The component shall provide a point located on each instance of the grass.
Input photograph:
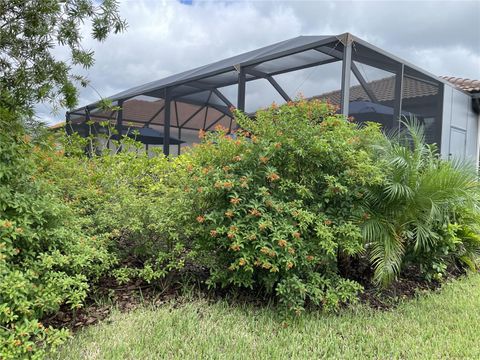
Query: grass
(438, 325)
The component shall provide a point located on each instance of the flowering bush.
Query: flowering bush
(278, 205)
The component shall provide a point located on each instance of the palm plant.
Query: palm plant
(419, 195)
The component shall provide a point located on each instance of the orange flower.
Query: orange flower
(366, 216)
(233, 228)
(237, 158)
(200, 219)
(235, 247)
(282, 243)
(206, 170)
(242, 262)
(328, 222)
(217, 185)
(227, 184)
(201, 134)
(255, 212)
(291, 250)
(310, 258)
(229, 213)
(252, 237)
(254, 139)
(200, 189)
(265, 250)
(273, 177)
(7, 224)
(235, 200)
(213, 233)
(289, 265)
(263, 159)
(220, 128)
(278, 145)
(230, 235)
(296, 235)
(226, 168)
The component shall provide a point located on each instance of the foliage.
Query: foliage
(30, 30)
(425, 213)
(45, 258)
(279, 204)
(134, 201)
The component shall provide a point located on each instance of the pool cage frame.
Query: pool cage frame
(200, 90)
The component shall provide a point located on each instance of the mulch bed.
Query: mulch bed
(130, 296)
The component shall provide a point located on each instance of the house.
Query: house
(370, 85)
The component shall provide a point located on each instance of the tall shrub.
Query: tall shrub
(278, 205)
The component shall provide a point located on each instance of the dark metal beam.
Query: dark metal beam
(397, 107)
(272, 82)
(222, 109)
(166, 124)
(176, 111)
(206, 111)
(205, 87)
(363, 83)
(192, 116)
(180, 139)
(346, 66)
(279, 89)
(223, 98)
(154, 116)
(241, 89)
(216, 121)
(119, 124)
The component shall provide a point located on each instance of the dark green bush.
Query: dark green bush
(426, 212)
(280, 204)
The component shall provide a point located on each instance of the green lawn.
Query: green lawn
(438, 325)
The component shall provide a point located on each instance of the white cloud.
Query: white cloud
(167, 37)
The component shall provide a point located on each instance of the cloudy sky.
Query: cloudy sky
(166, 37)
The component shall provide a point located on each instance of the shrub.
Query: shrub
(425, 213)
(45, 258)
(135, 202)
(278, 205)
